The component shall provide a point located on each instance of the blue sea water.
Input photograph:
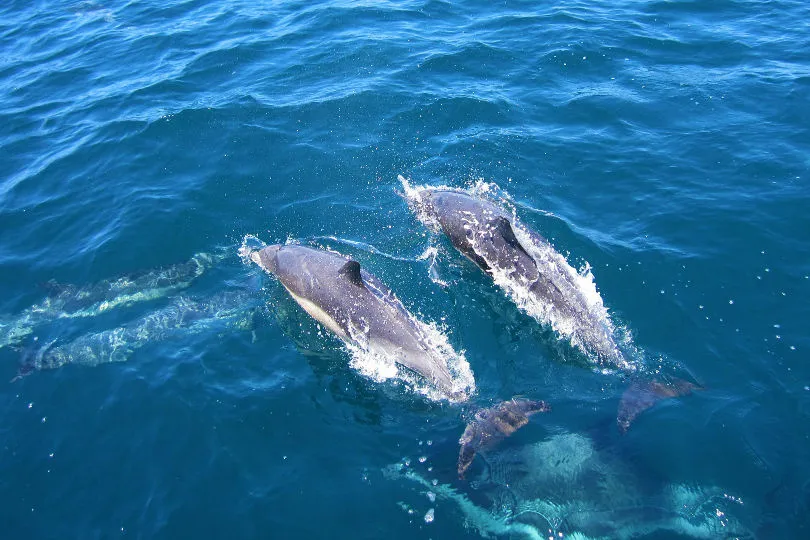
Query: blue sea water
(666, 144)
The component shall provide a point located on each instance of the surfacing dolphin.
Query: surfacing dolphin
(362, 311)
(539, 280)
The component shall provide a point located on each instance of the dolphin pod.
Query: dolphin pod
(365, 314)
(360, 310)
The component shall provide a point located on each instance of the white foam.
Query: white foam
(250, 243)
(380, 365)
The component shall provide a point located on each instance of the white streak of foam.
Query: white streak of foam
(431, 254)
(486, 524)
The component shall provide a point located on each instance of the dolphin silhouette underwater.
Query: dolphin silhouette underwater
(539, 280)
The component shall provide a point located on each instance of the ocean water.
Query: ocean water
(168, 390)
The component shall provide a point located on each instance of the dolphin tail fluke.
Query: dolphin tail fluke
(642, 395)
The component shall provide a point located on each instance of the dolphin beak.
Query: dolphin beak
(266, 258)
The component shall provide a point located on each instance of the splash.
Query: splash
(588, 325)
(413, 197)
(381, 366)
(431, 254)
(250, 243)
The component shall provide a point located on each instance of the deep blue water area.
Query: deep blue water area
(170, 390)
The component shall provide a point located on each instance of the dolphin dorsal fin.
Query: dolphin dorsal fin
(351, 271)
(504, 227)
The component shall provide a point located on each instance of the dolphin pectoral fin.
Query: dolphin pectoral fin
(642, 395)
(504, 227)
(351, 271)
(24, 371)
(469, 442)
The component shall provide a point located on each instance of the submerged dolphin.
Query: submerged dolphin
(541, 281)
(493, 424)
(74, 302)
(231, 310)
(360, 310)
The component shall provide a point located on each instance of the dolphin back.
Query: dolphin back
(360, 309)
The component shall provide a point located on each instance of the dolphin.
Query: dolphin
(360, 310)
(528, 268)
(539, 280)
(66, 301)
(491, 425)
(229, 310)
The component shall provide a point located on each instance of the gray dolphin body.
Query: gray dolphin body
(486, 234)
(525, 264)
(359, 309)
